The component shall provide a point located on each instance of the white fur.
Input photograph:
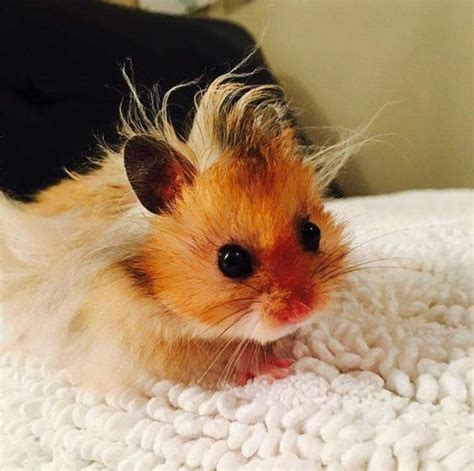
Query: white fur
(49, 263)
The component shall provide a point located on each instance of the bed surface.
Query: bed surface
(383, 381)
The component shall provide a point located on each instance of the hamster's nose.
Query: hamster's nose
(294, 312)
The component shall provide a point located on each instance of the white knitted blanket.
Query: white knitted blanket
(384, 381)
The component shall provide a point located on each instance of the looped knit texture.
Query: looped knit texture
(382, 381)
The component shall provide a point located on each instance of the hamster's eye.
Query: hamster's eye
(234, 261)
(310, 235)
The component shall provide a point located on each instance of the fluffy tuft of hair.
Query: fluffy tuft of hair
(232, 118)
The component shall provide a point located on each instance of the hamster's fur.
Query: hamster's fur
(115, 274)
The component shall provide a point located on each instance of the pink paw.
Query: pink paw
(271, 368)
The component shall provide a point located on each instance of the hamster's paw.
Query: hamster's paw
(268, 366)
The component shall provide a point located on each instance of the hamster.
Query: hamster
(188, 260)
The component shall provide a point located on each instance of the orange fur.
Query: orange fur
(105, 189)
(256, 203)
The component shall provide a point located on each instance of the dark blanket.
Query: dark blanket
(61, 85)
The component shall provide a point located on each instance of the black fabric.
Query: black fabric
(61, 85)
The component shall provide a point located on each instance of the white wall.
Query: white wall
(342, 61)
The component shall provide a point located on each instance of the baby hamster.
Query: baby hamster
(180, 259)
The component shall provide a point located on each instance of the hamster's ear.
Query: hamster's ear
(156, 172)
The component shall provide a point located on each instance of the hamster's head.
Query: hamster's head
(243, 249)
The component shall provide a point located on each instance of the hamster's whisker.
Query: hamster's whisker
(338, 274)
(230, 301)
(233, 324)
(230, 364)
(237, 359)
(234, 359)
(352, 248)
(329, 270)
(385, 234)
(219, 321)
(393, 267)
(329, 259)
(327, 274)
(264, 353)
(221, 351)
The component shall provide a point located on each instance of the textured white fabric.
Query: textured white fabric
(384, 381)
